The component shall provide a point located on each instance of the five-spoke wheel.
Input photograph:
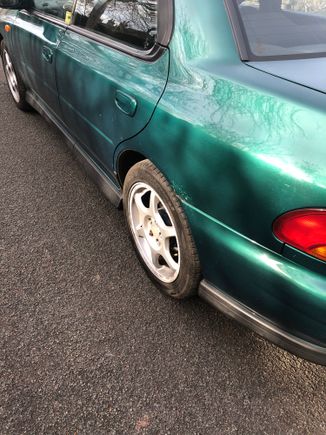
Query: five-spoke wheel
(154, 232)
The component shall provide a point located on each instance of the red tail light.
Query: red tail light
(304, 230)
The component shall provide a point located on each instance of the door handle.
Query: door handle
(47, 54)
(126, 103)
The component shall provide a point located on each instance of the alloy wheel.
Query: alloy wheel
(11, 77)
(154, 232)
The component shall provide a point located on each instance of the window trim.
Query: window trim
(237, 29)
(242, 42)
(165, 23)
(47, 17)
(165, 15)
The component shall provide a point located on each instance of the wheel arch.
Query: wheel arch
(125, 161)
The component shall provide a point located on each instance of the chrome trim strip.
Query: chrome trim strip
(108, 188)
(259, 324)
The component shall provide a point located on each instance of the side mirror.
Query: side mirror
(15, 4)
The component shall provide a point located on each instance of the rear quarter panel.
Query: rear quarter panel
(238, 144)
(240, 147)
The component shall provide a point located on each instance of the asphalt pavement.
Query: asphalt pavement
(89, 346)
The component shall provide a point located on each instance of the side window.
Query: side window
(56, 8)
(133, 22)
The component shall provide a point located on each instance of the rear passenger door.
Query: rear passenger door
(111, 71)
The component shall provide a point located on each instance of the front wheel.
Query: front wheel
(15, 83)
(160, 231)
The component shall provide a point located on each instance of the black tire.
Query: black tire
(186, 283)
(20, 97)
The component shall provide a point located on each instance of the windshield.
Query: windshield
(277, 28)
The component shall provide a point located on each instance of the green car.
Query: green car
(206, 121)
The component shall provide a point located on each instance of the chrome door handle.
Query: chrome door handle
(47, 54)
(126, 103)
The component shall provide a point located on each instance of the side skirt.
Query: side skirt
(262, 326)
(106, 185)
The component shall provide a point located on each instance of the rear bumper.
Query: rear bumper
(261, 325)
(280, 299)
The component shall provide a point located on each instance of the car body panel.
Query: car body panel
(90, 76)
(37, 38)
(239, 133)
(292, 297)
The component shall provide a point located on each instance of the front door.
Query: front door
(39, 32)
(110, 73)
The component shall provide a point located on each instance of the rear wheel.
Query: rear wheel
(15, 83)
(160, 231)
